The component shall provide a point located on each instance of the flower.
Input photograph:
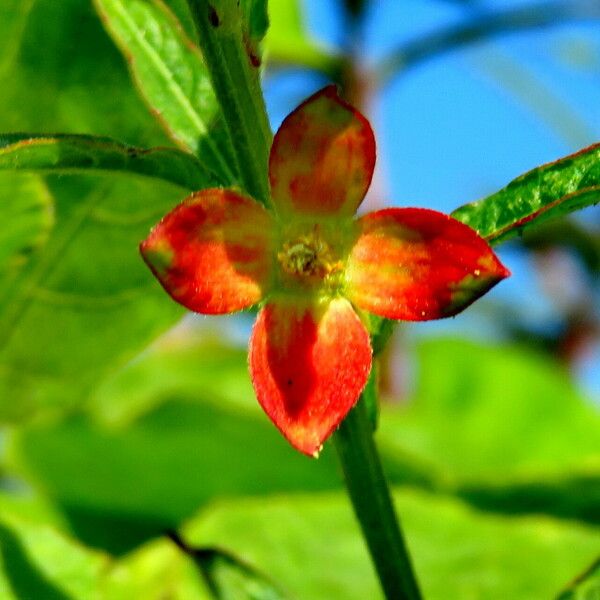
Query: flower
(314, 270)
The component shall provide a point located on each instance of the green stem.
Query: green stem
(235, 78)
(373, 506)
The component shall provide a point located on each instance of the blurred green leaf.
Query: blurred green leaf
(60, 50)
(83, 153)
(586, 586)
(549, 191)
(501, 425)
(181, 364)
(156, 571)
(288, 42)
(228, 577)
(313, 544)
(84, 303)
(39, 562)
(155, 472)
(26, 212)
(171, 76)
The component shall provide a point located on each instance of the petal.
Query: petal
(212, 253)
(322, 158)
(309, 364)
(417, 264)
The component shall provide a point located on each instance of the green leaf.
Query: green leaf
(288, 42)
(228, 577)
(148, 475)
(83, 153)
(586, 586)
(313, 544)
(502, 426)
(256, 21)
(169, 368)
(60, 50)
(84, 303)
(552, 190)
(40, 562)
(27, 218)
(171, 76)
(157, 570)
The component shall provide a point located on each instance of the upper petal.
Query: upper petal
(309, 364)
(322, 157)
(213, 252)
(417, 264)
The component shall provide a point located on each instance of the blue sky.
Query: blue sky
(463, 125)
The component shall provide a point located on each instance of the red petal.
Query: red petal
(309, 364)
(212, 253)
(322, 157)
(417, 264)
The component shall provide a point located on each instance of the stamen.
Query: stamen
(308, 257)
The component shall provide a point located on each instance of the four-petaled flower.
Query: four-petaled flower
(315, 270)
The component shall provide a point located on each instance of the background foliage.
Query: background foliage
(124, 419)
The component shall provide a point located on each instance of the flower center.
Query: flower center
(308, 257)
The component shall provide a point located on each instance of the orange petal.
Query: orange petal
(322, 158)
(309, 364)
(212, 253)
(417, 264)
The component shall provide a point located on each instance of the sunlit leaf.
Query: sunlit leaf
(70, 154)
(586, 586)
(552, 190)
(83, 303)
(40, 562)
(171, 77)
(502, 426)
(313, 544)
(60, 50)
(228, 577)
(206, 439)
(155, 571)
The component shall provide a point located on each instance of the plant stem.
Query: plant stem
(373, 506)
(235, 78)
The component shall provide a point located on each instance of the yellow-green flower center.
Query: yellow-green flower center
(308, 258)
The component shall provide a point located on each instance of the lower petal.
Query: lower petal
(416, 264)
(309, 363)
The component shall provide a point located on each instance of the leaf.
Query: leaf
(586, 586)
(171, 77)
(40, 562)
(149, 475)
(501, 426)
(228, 577)
(169, 369)
(83, 153)
(27, 218)
(80, 82)
(288, 42)
(84, 303)
(256, 20)
(549, 191)
(313, 544)
(157, 570)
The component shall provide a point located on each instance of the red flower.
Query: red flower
(314, 269)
